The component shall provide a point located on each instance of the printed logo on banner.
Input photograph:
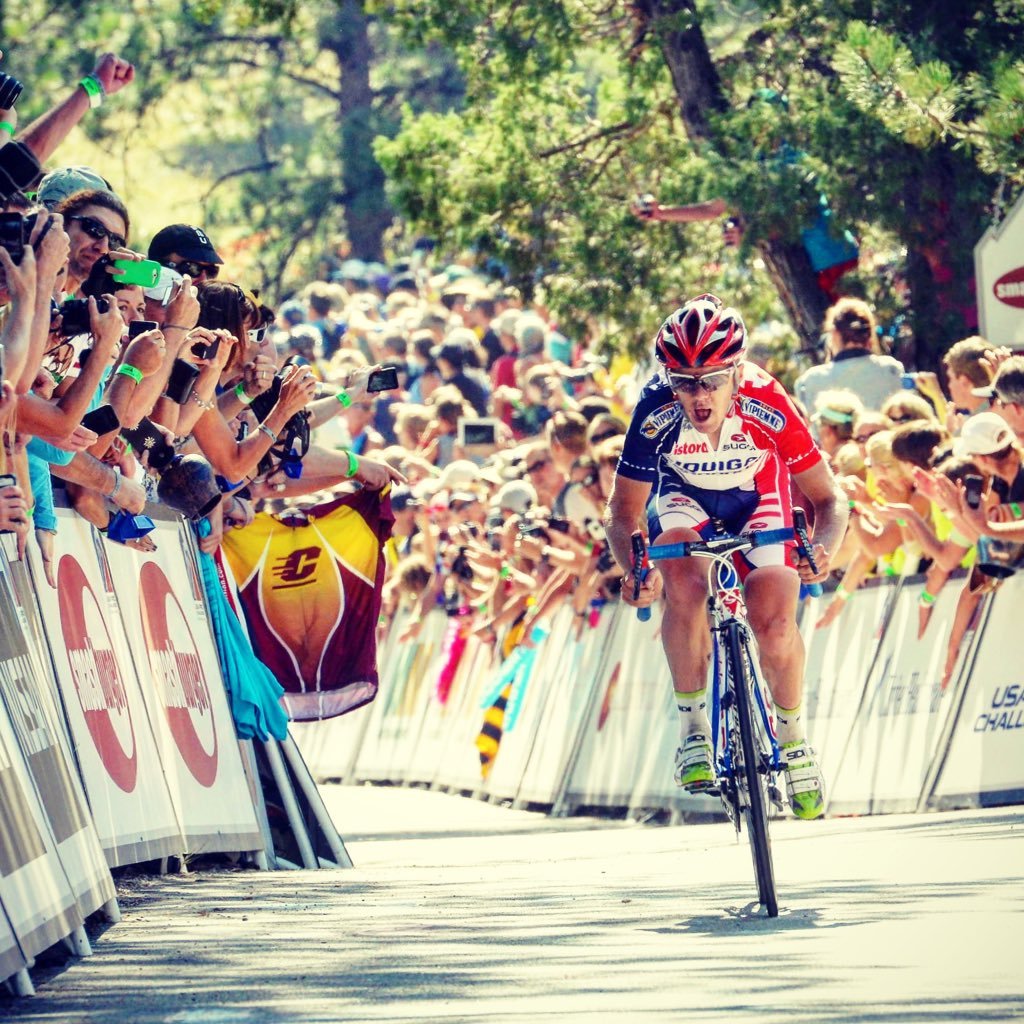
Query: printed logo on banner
(1006, 710)
(96, 675)
(176, 664)
(1010, 288)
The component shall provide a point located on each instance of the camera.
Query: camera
(74, 314)
(10, 90)
(14, 234)
(645, 204)
(973, 487)
(19, 169)
(477, 432)
(385, 379)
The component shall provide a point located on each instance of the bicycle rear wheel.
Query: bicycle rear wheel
(750, 775)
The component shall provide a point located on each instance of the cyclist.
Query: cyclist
(715, 438)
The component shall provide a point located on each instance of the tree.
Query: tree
(657, 97)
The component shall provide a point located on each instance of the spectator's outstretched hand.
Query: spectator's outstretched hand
(13, 508)
(52, 251)
(374, 474)
(146, 351)
(183, 307)
(131, 496)
(113, 73)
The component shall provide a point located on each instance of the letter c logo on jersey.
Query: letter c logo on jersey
(658, 420)
(771, 418)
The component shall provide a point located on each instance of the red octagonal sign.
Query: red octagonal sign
(1009, 289)
(179, 674)
(96, 675)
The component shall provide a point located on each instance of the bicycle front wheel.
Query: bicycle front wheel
(753, 773)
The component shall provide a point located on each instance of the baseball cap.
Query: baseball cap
(516, 496)
(401, 498)
(187, 241)
(66, 181)
(983, 434)
(459, 475)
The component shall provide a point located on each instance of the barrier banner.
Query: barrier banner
(114, 744)
(984, 765)
(838, 660)
(902, 718)
(177, 667)
(34, 891)
(28, 698)
(11, 958)
(310, 586)
(396, 720)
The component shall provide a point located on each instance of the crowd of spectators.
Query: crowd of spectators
(498, 435)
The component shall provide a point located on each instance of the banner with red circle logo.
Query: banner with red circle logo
(176, 662)
(117, 755)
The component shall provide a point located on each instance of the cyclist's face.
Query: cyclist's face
(705, 395)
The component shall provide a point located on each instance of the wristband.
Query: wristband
(342, 396)
(505, 572)
(175, 327)
(926, 599)
(207, 406)
(842, 593)
(131, 371)
(264, 429)
(1015, 509)
(6, 126)
(93, 89)
(241, 395)
(901, 522)
(117, 484)
(852, 504)
(353, 465)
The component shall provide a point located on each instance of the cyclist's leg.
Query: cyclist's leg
(674, 517)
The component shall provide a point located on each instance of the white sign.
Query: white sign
(999, 276)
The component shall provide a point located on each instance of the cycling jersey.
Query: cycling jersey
(744, 482)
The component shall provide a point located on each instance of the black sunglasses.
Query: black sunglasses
(98, 230)
(598, 438)
(194, 268)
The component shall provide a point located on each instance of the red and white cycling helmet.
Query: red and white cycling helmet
(704, 332)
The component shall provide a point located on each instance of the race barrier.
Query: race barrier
(588, 721)
(117, 744)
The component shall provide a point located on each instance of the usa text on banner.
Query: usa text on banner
(984, 765)
(310, 588)
(117, 755)
(38, 725)
(901, 722)
(177, 665)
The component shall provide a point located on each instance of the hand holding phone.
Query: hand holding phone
(145, 273)
(384, 379)
(482, 432)
(974, 486)
(137, 327)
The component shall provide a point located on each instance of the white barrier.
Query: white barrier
(984, 764)
(596, 724)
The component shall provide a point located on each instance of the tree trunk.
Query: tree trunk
(698, 88)
(367, 215)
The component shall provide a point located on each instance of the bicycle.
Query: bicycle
(746, 752)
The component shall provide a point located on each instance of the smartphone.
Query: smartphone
(383, 380)
(146, 438)
(13, 235)
(137, 327)
(478, 432)
(164, 287)
(101, 420)
(19, 168)
(204, 351)
(179, 383)
(973, 487)
(141, 272)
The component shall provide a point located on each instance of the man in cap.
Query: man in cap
(187, 250)
(66, 181)
(1006, 393)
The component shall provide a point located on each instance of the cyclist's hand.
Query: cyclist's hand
(822, 559)
(650, 589)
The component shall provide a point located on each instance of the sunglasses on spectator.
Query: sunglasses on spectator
(598, 438)
(534, 466)
(693, 383)
(864, 438)
(193, 268)
(256, 334)
(98, 230)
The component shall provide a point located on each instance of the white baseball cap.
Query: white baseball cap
(983, 434)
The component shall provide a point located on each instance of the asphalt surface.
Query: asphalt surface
(461, 911)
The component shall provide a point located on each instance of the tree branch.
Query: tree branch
(615, 129)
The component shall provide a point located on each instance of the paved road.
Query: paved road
(460, 911)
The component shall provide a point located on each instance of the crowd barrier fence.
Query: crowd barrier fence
(593, 726)
(116, 739)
